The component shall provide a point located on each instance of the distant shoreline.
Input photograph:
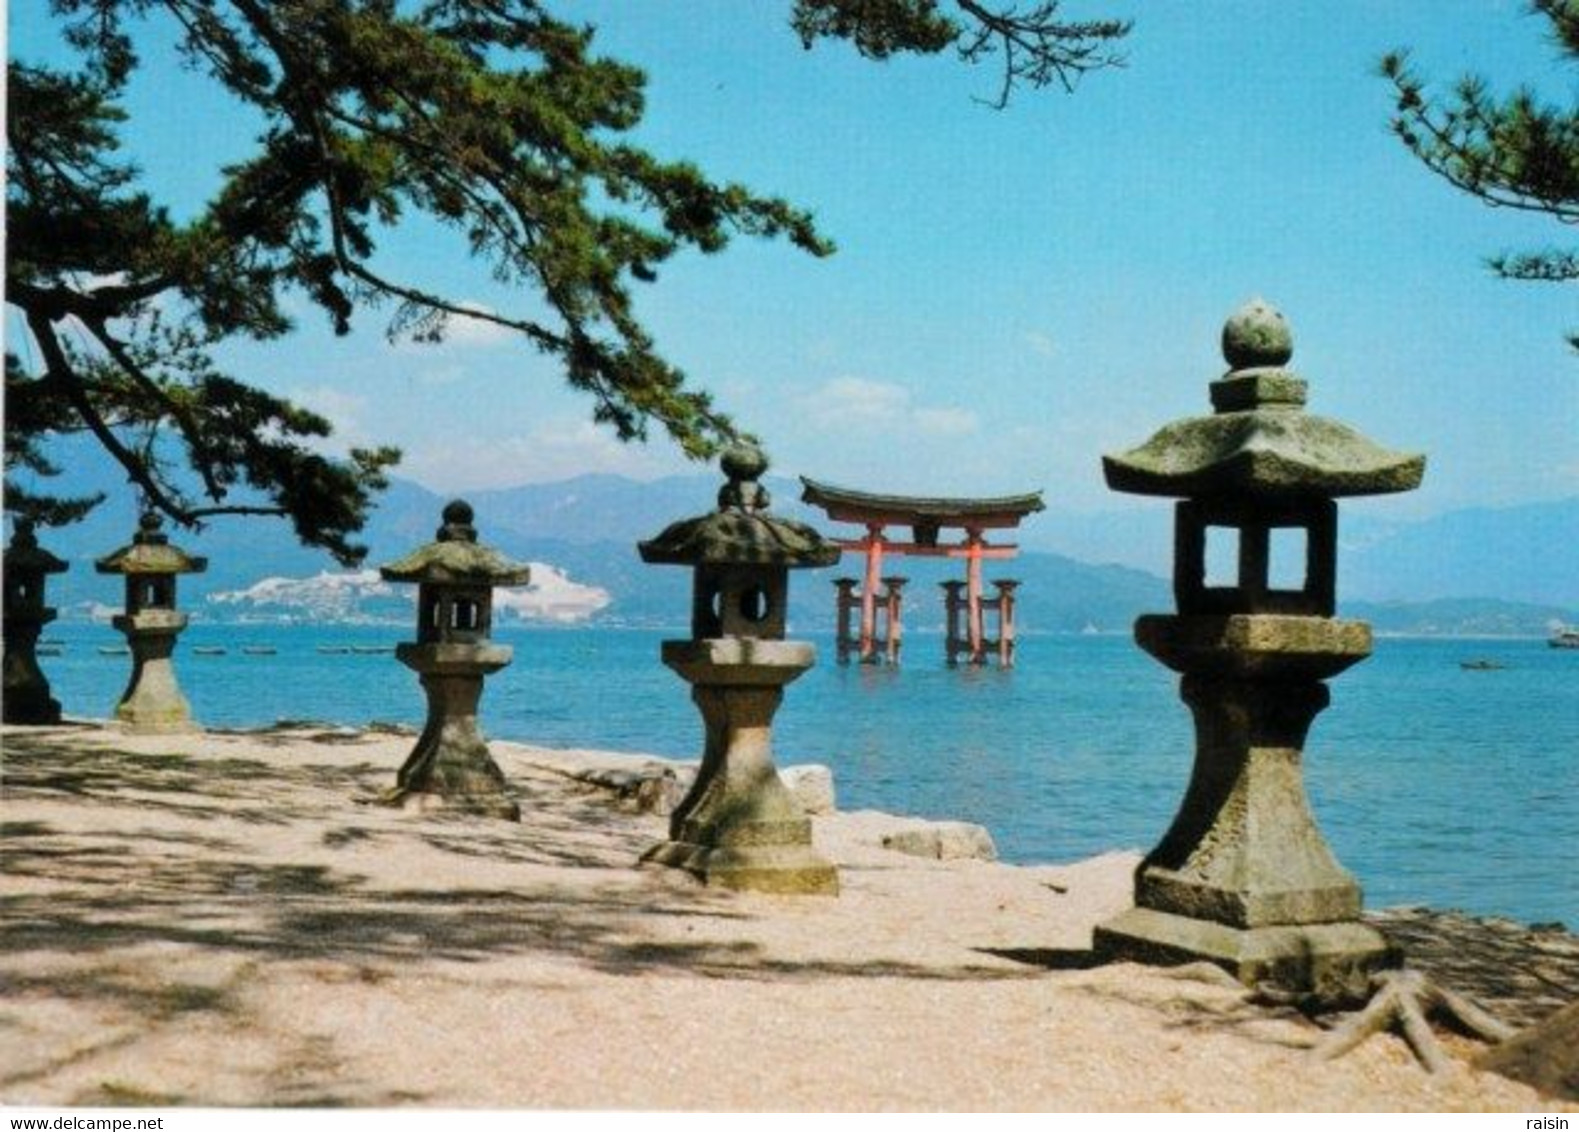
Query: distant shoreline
(198, 620)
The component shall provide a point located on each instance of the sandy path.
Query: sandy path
(215, 920)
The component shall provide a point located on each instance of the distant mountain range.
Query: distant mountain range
(1506, 570)
(1527, 553)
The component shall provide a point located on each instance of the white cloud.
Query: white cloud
(343, 410)
(858, 403)
(555, 450)
(466, 333)
(474, 333)
(856, 400)
(946, 422)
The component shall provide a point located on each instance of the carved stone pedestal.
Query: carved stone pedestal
(450, 767)
(152, 703)
(1330, 963)
(1244, 877)
(24, 569)
(26, 696)
(740, 827)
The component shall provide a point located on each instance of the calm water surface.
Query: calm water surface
(1433, 784)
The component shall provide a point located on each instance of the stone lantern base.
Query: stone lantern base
(740, 827)
(25, 695)
(1331, 962)
(152, 703)
(1243, 877)
(30, 704)
(450, 768)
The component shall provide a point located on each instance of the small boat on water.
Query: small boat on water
(334, 650)
(1481, 665)
(1564, 637)
(370, 650)
(209, 650)
(114, 650)
(258, 650)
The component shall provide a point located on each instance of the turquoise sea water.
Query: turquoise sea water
(1435, 785)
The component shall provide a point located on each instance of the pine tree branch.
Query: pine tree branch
(191, 431)
(59, 374)
(1037, 48)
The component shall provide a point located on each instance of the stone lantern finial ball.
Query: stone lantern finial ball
(1257, 335)
(743, 462)
(457, 526)
(149, 529)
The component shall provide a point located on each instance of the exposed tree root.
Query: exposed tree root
(1403, 1000)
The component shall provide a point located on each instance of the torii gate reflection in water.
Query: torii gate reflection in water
(926, 518)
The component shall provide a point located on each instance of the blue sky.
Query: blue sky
(1015, 292)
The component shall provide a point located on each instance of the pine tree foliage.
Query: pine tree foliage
(493, 118)
(1511, 151)
(1032, 46)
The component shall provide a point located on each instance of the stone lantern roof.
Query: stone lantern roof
(150, 552)
(24, 555)
(456, 557)
(1260, 442)
(741, 532)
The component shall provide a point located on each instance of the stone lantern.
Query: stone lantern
(26, 690)
(740, 827)
(450, 768)
(1244, 877)
(152, 703)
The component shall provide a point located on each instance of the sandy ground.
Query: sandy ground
(224, 920)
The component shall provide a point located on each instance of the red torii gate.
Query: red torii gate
(926, 517)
